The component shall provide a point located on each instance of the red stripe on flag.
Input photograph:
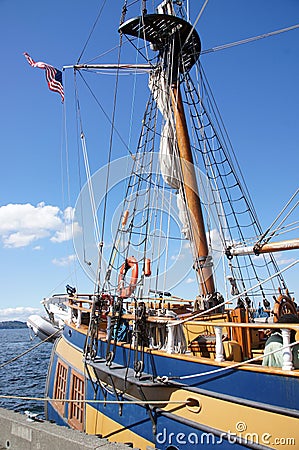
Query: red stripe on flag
(53, 76)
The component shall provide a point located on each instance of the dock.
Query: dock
(18, 432)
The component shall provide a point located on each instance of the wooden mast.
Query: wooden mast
(203, 263)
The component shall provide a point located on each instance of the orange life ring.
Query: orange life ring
(284, 304)
(130, 263)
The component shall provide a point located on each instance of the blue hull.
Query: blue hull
(230, 393)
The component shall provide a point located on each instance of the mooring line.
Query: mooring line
(117, 402)
(29, 350)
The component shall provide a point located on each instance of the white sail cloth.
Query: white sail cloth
(166, 7)
(168, 153)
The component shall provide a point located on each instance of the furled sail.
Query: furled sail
(168, 152)
(168, 145)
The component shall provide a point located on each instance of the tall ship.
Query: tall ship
(141, 360)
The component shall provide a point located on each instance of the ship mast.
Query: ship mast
(203, 263)
(178, 41)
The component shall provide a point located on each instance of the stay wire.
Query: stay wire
(92, 30)
(196, 21)
(109, 160)
(251, 39)
(105, 114)
(79, 122)
(66, 191)
(276, 219)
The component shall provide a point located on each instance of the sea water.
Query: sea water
(26, 376)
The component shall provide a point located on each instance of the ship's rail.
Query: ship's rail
(218, 327)
(80, 309)
(220, 343)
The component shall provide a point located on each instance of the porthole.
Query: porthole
(193, 405)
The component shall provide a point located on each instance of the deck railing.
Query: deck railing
(218, 327)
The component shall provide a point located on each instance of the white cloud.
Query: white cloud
(19, 313)
(190, 280)
(286, 261)
(69, 213)
(22, 238)
(280, 258)
(215, 237)
(63, 261)
(66, 233)
(23, 224)
(178, 256)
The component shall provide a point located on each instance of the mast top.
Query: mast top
(160, 30)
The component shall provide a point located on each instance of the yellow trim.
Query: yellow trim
(98, 423)
(264, 427)
(70, 355)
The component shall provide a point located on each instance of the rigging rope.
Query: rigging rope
(71, 261)
(109, 157)
(88, 177)
(196, 20)
(92, 30)
(29, 350)
(278, 216)
(163, 379)
(220, 172)
(105, 114)
(286, 229)
(111, 402)
(216, 162)
(227, 368)
(221, 163)
(79, 121)
(245, 41)
(90, 188)
(234, 297)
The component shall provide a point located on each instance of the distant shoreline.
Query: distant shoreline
(12, 324)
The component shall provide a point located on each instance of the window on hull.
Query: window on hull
(76, 406)
(60, 387)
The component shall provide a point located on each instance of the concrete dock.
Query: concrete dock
(17, 432)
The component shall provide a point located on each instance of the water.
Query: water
(25, 376)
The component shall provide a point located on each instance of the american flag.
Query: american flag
(53, 76)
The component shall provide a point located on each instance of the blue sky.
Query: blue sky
(255, 86)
